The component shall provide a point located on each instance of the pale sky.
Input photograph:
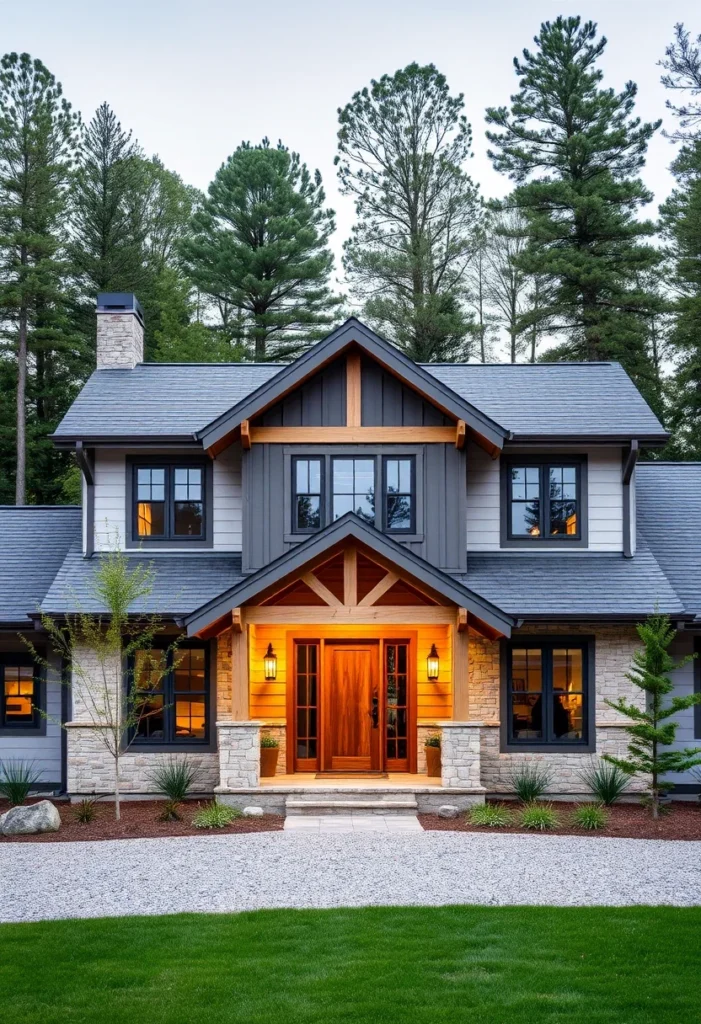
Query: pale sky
(192, 79)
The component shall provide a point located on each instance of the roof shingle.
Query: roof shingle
(34, 540)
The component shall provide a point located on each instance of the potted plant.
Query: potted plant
(268, 755)
(432, 747)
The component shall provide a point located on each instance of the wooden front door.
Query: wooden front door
(352, 707)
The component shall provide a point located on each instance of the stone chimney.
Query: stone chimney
(120, 331)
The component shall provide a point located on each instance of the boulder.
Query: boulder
(253, 812)
(30, 818)
(448, 811)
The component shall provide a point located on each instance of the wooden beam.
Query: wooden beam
(461, 687)
(350, 577)
(460, 433)
(378, 590)
(462, 620)
(353, 392)
(239, 676)
(315, 584)
(308, 615)
(236, 620)
(351, 435)
(245, 434)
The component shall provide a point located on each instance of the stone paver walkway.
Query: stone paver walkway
(354, 822)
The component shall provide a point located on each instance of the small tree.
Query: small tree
(651, 729)
(96, 647)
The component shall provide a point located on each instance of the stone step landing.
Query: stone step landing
(322, 805)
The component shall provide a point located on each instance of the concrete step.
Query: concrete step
(405, 805)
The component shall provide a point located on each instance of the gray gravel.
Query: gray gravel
(235, 873)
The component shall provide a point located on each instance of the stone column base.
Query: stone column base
(460, 755)
(239, 755)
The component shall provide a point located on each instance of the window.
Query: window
(547, 683)
(543, 501)
(353, 488)
(172, 691)
(308, 495)
(170, 502)
(19, 692)
(306, 738)
(399, 494)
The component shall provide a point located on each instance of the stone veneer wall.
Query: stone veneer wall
(90, 768)
(120, 340)
(614, 648)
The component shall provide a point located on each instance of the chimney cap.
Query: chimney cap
(119, 302)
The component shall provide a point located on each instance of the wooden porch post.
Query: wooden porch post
(239, 672)
(461, 689)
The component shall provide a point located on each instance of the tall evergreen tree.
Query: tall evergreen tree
(37, 140)
(574, 150)
(682, 65)
(258, 248)
(402, 147)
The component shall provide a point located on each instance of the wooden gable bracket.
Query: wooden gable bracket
(236, 620)
(322, 591)
(245, 434)
(462, 620)
(353, 390)
(350, 577)
(378, 590)
(460, 434)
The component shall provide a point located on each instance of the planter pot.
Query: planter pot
(433, 761)
(268, 761)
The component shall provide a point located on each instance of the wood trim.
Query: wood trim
(460, 434)
(236, 622)
(462, 620)
(379, 589)
(350, 577)
(352, 435)
(240, 685)
(245, 434)
(353, 390)
(461, 686)
(322, 591)
(305, 615)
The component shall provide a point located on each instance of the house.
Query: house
(361, 551)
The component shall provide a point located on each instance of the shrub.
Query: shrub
(17, 779)
(490, 816)
(215, 815)
(539, 816)
(170, 812)
(530, 782)
(268, 741)
(85, 810)
(590, 816)
(434, 740)
(606, 781)
(174, 778)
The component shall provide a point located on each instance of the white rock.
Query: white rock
(25, 820)
(448, 811)
(253, 812)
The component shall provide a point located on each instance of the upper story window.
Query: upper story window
(19, 692)
(172, 690)
(170, 502)
(400, 496)
(544, 500)
(308, 495)
(353, 488)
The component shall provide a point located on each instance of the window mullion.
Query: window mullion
(544, 500)
(547, 656)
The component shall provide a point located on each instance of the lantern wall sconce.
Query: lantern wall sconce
(270, 664)
(432, 664)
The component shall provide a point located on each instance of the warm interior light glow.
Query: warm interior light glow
(432, 663)
(270, 664)
(534, 531)
(145, 519)
(571, 524)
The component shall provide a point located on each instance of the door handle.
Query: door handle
(375, 712)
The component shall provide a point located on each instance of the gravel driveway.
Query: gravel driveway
(287, 869)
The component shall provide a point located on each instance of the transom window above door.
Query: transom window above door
(169, 502)
(544, 501)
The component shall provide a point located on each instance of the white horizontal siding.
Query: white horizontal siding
(110, 499)
(44, 752)
(605, 499)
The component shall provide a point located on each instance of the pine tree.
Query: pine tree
(37, 140)
(651, 729)
(574, 150)
(682, 64)
(507, 285)
(258, 249)
(402, 146)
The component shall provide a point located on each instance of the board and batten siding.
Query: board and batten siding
(110, 498)
(43, 750)
(605, 498)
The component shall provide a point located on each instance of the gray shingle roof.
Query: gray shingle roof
(575, 585)
(34, 540)
(563, 399)
(181, 584)
(178, 399)
(669, 517)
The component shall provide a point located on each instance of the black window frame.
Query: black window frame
(547, 743)
(173, 743)
(170, 539)
(37, 726)
(359, 457)
(411, 529)
(544, 465)
(295, 493)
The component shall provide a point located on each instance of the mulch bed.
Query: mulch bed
(138, 821)
(626, 821)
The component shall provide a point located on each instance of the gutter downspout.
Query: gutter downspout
(630, 459)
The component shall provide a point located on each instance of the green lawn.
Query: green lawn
(404, 966)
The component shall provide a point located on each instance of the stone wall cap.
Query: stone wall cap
(460, 725)
(237, 725)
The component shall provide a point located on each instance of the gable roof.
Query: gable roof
(348, 528)
(668, 498)
(354, 333)
(34, 540)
